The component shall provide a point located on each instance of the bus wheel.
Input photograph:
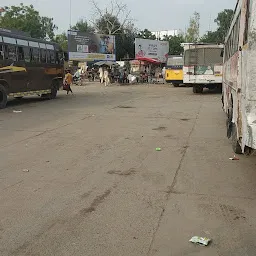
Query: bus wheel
(54, 91)
(198, 88)
(3, 97)
(235, 143)
(176, 85)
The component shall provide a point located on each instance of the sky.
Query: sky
(153, 15)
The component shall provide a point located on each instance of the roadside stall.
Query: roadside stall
(152, 70)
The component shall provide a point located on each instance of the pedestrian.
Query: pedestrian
(68, 81)
(106, 77)
(163, 74)
(101, 75)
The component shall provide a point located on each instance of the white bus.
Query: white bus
(203, 65)
(239, 78)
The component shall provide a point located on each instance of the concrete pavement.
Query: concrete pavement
(97, 186)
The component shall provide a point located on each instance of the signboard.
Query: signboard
(153, 49)
(84, 46)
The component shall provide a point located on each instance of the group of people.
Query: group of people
(108, 75)
(104, 75)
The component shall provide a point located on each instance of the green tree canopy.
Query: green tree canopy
(83, 26)
(146, 34)
(193, 31)
(62, 40)
(27, 19)
(175, 44)
(223, 21)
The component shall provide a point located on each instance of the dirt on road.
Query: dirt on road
(80, 175)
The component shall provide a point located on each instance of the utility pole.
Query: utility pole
(70, 14)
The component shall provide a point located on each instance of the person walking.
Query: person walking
(106, 77)
(68, 81)
(101, 75)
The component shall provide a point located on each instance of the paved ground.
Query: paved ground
(97, 186)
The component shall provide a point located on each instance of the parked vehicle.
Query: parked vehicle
(28, 66)
(174, 70)
(239, 80)
(203, 65)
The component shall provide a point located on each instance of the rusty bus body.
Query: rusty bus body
(239, 78)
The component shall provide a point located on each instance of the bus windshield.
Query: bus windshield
(175, 61)
(203, 56)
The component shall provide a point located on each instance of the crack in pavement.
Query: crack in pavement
(171, 188)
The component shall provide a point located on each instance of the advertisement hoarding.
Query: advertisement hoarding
(84, 46)
(145, 48)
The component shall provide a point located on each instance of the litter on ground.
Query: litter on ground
(200, 240)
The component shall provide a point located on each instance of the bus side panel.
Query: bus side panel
(248, 78)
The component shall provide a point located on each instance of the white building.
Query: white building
(160, 34)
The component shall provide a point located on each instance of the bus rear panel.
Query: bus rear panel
(174, 70)
(203, 65)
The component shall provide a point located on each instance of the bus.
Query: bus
(239, 78)
(28, 66)
(203, 64)
(174, 72)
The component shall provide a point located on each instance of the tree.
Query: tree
(62, 40)
(83, 26)
(27, 19)
(223, 21)
(175, 42)
(111, 20)
(193, 31)
(125, 47)
(210, 37)
(146, 34)
(115, 20)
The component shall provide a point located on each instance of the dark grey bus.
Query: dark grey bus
(28, 66)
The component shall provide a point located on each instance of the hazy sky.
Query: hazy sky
(154, 15)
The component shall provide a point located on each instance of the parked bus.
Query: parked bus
(174, 72)
(239, 80)
(28, 66)
(203, 65)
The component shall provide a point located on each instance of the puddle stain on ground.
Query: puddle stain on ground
(160, 128)
(96, 202)
(124, 173)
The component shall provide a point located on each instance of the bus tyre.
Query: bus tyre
(54, 91)
(3, 97)
(176, 85)
(198, 89)
(235, 143)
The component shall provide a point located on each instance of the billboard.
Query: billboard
(84, 46)
(145, 48)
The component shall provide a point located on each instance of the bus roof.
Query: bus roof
(25, 36)
(198, 46)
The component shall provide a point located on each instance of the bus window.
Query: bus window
(11, 51)
(52, 56)
(48, 56)
(35, 54)
(212, 56)
(43, 55)
(27, 54)
(1, 52)
(247, 22)
(20, 53)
